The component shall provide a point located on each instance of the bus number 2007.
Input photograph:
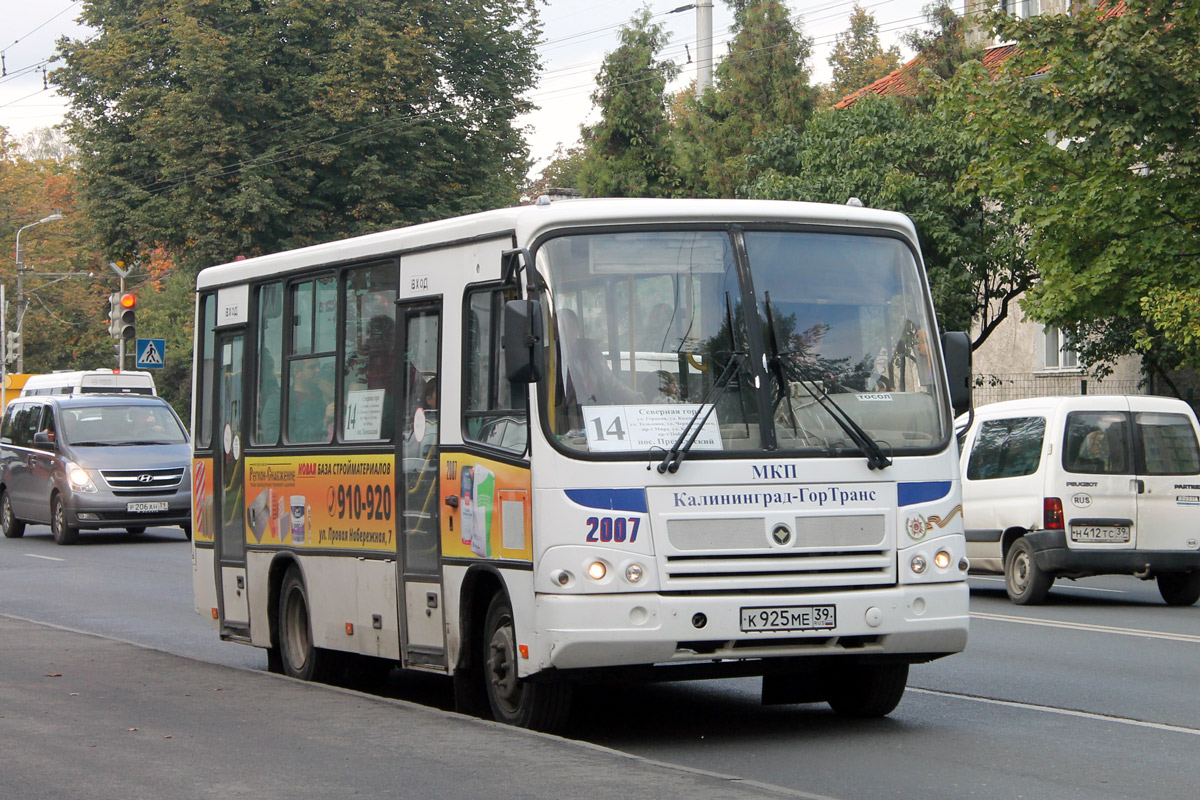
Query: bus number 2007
(612, 529)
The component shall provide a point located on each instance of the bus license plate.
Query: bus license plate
(135, 508)
(1096, 533)
(789, 618)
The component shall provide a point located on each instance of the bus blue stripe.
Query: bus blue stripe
(633, 500)
(909, 494)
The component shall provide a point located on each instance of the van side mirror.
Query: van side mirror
(956, 349)
(522, 340)
(43, 440)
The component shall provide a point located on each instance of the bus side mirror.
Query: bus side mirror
(524, 354)
(956, 349)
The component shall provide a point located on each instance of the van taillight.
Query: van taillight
(1052, 514)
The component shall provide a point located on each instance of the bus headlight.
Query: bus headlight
(918, 564)
(942, 559)
(596, 570)
(79, 478)
(634, 573)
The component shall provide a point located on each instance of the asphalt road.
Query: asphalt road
(1094, 695)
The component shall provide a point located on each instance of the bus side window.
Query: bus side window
(270, 359)
(369, 353)
(494, 412)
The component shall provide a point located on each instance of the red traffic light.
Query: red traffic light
(128, 300)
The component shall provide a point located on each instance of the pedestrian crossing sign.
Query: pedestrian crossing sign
(151, 353)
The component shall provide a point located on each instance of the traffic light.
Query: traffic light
(12, 345)
(114, 315)
(126, 316)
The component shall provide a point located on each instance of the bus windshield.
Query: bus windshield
(643, 326)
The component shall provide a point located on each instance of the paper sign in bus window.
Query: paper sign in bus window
(612, 429)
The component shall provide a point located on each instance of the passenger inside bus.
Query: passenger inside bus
(587, 377)
(308, 402)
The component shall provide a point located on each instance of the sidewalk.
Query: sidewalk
(92, 718)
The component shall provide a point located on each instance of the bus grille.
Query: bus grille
(825, 551)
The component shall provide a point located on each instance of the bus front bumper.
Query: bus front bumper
(580, 631)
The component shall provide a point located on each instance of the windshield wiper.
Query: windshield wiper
(786, 368)
(675, 455)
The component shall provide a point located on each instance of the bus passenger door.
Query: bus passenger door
(228, 487)
(420, 597)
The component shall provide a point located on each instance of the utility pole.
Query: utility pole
(704, 54)
(21, 302)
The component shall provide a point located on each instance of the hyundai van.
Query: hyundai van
(93, 461)
(1069, 487)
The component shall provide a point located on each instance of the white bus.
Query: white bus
(90, 381)
(646, 438)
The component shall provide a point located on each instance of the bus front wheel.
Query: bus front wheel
(300, 659)
(868, 690)
(540, 705)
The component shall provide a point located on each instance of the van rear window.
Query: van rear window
(1097, 443)
(1166, 444)
(1007, 448)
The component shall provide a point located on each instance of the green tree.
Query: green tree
(1092, 127)
(226, 127)
(560, 172)
(63, 324)
(628, 152)
(892, 155)
(858, 59)
(761, 86)
(943, 47)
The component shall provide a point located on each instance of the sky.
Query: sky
(575, 38)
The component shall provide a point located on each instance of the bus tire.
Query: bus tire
(1179, 588)
(300, 658)
(868, 690)
(64, 532)
(542, 705)
(1026, 583)
(13, 527)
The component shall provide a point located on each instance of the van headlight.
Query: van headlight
(79, 478)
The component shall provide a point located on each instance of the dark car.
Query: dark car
(93, 462)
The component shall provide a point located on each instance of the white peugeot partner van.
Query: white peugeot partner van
(1076, 486)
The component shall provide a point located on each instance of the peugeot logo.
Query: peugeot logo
(782, 534)
(145, 478)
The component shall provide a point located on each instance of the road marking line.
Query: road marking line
(1086, 626)
(48, 558)
(1060, 586)
(1066, 712)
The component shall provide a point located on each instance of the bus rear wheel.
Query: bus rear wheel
(868, 690)
(542, 705)
(300, 659)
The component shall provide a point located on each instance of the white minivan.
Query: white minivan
(1077, 486)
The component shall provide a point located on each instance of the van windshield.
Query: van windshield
(113, 425)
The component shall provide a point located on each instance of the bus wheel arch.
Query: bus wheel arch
(300, 657)
(279, 567)
(541, 704)
(480, 585)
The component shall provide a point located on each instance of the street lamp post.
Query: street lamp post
(19, 341)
